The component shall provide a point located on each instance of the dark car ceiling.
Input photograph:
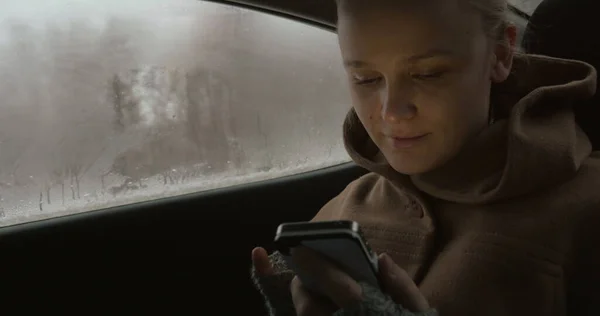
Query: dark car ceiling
(320, 11)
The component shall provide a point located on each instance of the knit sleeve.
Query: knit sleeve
(275, 289)
(376, 303)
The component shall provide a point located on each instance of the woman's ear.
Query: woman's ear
(503, 54)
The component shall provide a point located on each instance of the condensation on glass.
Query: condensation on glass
(106, 103)
(527, 6)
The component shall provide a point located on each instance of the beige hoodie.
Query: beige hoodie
(510, 226)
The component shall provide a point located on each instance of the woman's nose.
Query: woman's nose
(398, 107)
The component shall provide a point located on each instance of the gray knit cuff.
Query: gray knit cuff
(376, 303)
(275, 289)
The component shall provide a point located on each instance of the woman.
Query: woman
(481, 196)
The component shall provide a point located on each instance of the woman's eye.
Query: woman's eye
(428, 76)
(367, 81)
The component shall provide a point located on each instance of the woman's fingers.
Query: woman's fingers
(261, 261)
(399, 286)
(333, 283)
(306, 303)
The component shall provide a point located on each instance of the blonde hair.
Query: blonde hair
(494, 14)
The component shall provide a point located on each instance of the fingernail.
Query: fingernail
(384, 258)
(387, 264)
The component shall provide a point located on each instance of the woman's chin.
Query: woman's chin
(408, 167)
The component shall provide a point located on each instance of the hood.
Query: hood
(534, 143)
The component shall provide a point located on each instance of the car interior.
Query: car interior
(183, 254)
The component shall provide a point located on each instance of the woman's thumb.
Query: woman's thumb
(399, 286)
(261, 262)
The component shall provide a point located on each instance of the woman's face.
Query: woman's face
(420, 76)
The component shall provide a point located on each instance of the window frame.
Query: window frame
(526, 16)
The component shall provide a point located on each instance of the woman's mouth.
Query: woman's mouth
(406, 142)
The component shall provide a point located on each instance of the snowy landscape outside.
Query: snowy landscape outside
(116, 102)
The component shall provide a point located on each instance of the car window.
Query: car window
(527, 6)
(112, 102)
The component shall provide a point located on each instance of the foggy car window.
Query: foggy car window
(106, 103)
(527, 6)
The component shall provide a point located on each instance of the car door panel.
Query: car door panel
(160, 255)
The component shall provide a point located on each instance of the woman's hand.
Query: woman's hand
(262, 264)
(343, 291)
(340, 289)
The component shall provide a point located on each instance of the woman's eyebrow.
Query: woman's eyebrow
(432, 54)
(426, 55)
(356, 64)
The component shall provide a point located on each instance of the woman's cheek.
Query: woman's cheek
(368, 108)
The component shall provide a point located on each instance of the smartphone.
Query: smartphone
(341, 242)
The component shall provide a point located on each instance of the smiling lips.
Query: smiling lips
(406, 142)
